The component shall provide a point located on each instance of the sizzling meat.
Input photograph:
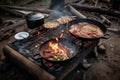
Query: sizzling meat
(57, 53)
(51, 24)
(64, 20)
(86, 30)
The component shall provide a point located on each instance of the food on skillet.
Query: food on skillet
(57, 53)
(51, 24)
(65, 19)
(86, 30)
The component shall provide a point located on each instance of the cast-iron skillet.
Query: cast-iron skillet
(65, 42)
(98, 24)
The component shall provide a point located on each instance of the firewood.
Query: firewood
(95, 9)
(8, 31)
(75, 12)
(26, 9)
(11, 11)
(105, 20)
(27, 2)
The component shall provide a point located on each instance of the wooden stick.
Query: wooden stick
(15, 13)
(27, 9)
(95, 9)
(74, 11)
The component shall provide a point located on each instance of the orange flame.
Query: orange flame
(56, 48)
(61, 35)
(62, 31)
(56, 38)
(53, 46)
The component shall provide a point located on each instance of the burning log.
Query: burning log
(95, 9)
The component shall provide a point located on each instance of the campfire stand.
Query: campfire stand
(25, 55)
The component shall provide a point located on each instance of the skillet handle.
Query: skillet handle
(106, 36)
(37, 57)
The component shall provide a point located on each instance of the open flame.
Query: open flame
(56, 46)
(56, 51)
(62, 33)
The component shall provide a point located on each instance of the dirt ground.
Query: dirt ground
(105, 67)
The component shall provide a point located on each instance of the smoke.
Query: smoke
(55, 14)
(58, 10)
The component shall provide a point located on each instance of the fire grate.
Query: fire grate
(29, 48)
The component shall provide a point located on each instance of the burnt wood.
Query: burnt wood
(95, 9)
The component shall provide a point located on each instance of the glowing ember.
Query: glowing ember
(56, 39)
(37, 45)
(61, 35)
(38, 33)
(62, 31)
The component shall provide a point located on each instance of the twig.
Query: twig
(26, 9)
(105, 20)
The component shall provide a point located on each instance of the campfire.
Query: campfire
(57, 51)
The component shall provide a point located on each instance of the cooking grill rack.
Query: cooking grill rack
(30, 49)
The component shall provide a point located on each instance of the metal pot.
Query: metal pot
(34, 20)
(98, 24)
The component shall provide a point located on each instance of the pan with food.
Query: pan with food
(65, 19)
(51, 24)
(87, 29)
(58, 51)
(60, 21)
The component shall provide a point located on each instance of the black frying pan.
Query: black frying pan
(65, 42)
(98, 24)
